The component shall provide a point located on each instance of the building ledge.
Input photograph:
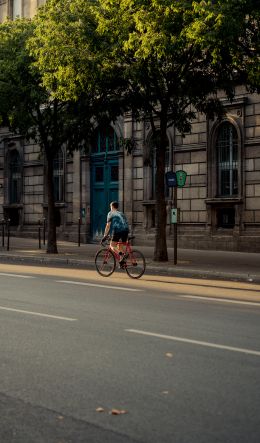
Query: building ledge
(148, 202)
(224, 201)
(13, 206)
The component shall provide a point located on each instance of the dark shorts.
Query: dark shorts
(117, 236)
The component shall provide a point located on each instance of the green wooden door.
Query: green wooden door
(104, 178)
(104, 190)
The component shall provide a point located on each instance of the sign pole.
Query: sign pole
(175, 227)
(175, 180)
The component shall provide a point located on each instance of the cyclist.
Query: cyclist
(117, 225)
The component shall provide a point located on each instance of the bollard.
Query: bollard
(8, 233)
(44, 228)
(40, 246)
(79, 225)
(3, 232)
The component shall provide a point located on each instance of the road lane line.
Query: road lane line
(194, 342)
(5, 274)
(225, 300)
(124, 288)
(39, 314)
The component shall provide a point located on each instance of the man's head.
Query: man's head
(114, 205)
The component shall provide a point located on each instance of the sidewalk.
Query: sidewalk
(236, 266)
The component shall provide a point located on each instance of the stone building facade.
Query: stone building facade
(219, 206)
(18, 8)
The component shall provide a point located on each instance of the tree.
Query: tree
(163, 59)
(31, 109)
(177, 55)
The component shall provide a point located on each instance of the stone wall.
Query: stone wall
(252, 165)
(28, 8)
(3, 10)
(194, 154)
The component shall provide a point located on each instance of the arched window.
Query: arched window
(15, 177)
(104, 140)
(227, 160)
(58, 176)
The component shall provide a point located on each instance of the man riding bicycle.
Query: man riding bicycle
(117, 225)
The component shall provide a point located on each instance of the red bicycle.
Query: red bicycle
(134, 261)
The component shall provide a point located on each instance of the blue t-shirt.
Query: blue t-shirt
(118, 222)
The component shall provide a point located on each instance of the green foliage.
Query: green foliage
(19, 81)
(234, 40)
(137, 54)
(153, 43)
(179, 53)
(27, 106)
(128, 144)
(66, 29)
(69, 54)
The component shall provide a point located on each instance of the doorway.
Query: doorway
(104, 190)
(104, 178)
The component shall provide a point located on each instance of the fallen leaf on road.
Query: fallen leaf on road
(169, 354)
(60, 417)
(117, 412)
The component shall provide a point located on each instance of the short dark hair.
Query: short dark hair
(114, 204)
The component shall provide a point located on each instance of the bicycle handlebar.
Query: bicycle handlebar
(104, 243)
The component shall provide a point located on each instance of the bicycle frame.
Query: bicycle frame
(127, 249)
(133, 260)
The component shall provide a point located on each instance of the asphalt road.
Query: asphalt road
(178, 360)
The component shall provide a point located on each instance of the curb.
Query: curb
(150, 269)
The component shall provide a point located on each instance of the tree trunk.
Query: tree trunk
(160, 251)
(52, 240)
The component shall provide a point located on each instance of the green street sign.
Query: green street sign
(181, 178)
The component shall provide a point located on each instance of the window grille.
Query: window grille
(227, 161)
(105, 140)
(15, 178)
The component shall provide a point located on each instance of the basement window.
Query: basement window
(226, 218)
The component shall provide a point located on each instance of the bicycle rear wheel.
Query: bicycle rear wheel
(135, 264)
(105, 262)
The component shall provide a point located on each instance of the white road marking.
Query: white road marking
(194, 342)
(225, 300)
(99, 286)
(39, 314)
(5, 274)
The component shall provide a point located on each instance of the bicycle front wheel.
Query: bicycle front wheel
(135, 264)
(105, 262)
